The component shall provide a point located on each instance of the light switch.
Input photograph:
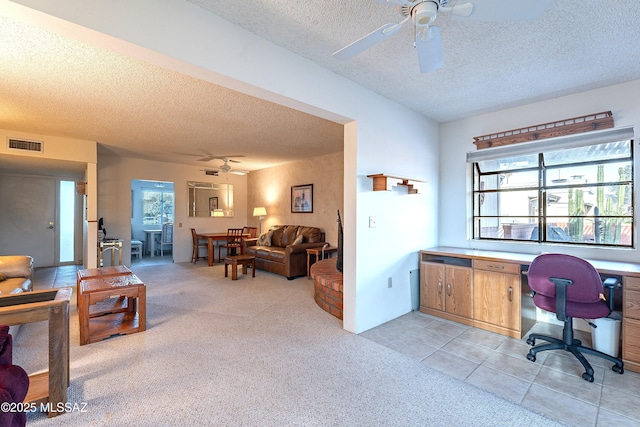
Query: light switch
(372, 222)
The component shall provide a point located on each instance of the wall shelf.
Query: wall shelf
(382, 182)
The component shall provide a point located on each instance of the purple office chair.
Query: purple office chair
(570, 287)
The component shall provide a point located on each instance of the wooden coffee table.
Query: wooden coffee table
(244, 261)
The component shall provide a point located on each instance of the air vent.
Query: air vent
(23, 144)
(209, 172)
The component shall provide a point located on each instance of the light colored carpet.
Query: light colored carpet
(252, 352)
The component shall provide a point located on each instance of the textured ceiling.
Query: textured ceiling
(575, 46)
(57, 86)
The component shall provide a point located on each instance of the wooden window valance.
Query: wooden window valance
(571, 126)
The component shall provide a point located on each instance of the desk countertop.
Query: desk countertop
(611, 267)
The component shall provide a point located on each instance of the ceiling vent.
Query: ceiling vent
(210, 172)
(25, 145)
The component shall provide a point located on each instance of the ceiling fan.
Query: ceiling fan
(423, 14)
(225, 167)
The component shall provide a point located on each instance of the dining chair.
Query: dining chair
(197, 244)
(136, 247)
(251, 231)
(166, 237)
(233, 242)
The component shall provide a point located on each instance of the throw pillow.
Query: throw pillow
(265, 239)
(298, 240)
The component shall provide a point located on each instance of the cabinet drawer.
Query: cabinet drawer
(632, 283)
(499, 267)
(632, 304)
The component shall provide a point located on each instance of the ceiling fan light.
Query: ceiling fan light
(425, 13)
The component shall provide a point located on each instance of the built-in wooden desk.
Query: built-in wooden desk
(488, 290)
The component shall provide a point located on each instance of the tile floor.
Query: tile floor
(552, 385)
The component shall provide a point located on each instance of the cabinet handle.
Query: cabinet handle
(449, 289)
(510, 293)
(498, 267)
(440, 288)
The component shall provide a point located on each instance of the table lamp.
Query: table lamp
(260, 212)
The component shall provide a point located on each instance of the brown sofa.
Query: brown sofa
(276, 252)
(16, 275)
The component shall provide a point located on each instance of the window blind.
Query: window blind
(553, 144)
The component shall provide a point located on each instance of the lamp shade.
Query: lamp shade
(259, 211)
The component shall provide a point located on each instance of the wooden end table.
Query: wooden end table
(320, 253)
(110, 302)
(243, 260)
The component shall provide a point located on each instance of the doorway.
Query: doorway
(41, 217)
(152, 210)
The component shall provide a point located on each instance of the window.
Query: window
(576, 195)
(157, 207)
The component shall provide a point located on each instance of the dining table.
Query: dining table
(215, 237)
(150, 240)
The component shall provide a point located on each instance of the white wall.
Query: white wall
(388, 138)
(457, 139)
(72, 150)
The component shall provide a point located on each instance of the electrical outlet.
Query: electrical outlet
(389, 282)
(372, 222)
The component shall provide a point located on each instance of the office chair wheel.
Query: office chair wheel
(531, 341)
(618, 369)
(531, 357)
(587, 377)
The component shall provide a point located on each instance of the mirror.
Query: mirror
(210, 199)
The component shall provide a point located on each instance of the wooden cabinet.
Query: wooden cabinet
(446, 291)
(496, 297)
(631, 323)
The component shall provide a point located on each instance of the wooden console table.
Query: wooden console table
(50, 305)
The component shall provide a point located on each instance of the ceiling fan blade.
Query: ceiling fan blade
(235, 172)
(429, 46)
(501, 10)
(394, 2)
(370, 40)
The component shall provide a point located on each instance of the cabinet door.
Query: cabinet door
(458, 294)
(631, 340)
(431, 285)
(497, 299)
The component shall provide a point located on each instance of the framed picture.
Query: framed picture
(213, 203)
(302, 198)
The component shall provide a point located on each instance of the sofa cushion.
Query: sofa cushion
(16, 265)
(276, 237)
(289, 234)
(311, 234)
(272, 253)
(265, 239)
(2, 277)
(11, 284)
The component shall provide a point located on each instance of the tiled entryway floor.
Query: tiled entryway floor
(552, 385)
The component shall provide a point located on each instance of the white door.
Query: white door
(27, 218)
